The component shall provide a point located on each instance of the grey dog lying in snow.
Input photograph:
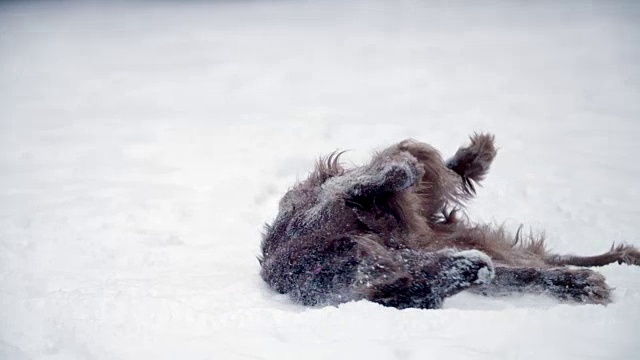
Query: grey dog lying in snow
(390, 232)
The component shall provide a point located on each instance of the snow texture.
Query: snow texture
(143, 145)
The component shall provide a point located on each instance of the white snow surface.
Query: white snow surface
(144, 144)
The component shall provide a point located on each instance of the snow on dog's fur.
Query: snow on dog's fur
(390, 232)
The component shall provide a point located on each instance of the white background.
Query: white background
(143, 145)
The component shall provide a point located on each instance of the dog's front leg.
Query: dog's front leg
(432, 278)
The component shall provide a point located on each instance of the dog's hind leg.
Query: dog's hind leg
(576, 285)
(622, 254)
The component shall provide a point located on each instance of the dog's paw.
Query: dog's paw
(578, 285)
(402, 172)
(627, 254)
(473, 266)
(460, 270)
(472, 162)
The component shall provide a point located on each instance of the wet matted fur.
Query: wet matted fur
(390, 232)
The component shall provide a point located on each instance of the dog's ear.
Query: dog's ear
(473, 162)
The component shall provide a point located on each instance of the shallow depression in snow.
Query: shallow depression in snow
(144, 144)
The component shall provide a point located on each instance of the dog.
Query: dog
(393, 232)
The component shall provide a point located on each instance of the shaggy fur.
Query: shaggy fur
(390, 232)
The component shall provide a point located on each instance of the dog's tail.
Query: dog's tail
(622, 254)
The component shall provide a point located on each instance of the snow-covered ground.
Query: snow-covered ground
(143, 145)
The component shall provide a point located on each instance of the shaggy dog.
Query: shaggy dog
(391, 232)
